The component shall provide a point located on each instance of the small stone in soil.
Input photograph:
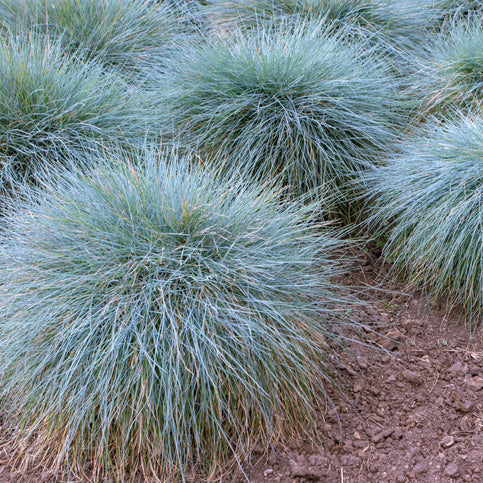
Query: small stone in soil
(451, 470)
(382, 435)
(413, 377)
(420, 468)
(475, 384)
(465, 406)
(447, 441)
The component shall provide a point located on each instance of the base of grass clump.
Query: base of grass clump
(428, 200)
(159, 321)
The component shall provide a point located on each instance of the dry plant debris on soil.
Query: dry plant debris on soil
(413, 413)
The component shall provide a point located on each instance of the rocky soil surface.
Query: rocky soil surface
(414, 412)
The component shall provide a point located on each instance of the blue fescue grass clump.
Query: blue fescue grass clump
(396, 24)
(451, 76)
(53, 105)
(160, 320)
(129, 35)
(299, 105)
(428, 201)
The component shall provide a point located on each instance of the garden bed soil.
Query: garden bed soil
(413, 412)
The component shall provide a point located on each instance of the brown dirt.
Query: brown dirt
(413, 412)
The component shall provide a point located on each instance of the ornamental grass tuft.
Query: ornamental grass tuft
(429, 203)
(129, 35)
(53, 106)
(451, 76)
(399, 24)
(159, 321)
(301, 106)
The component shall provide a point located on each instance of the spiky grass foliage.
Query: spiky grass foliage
(429, 200)
(393, 23)
(52, 105)
(187, 10)
(451, 10)
(451, 76)
(160, 320)
(301, 106)
(127, 34)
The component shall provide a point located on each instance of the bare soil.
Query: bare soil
(413, 412)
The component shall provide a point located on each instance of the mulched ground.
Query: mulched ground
(413, 412)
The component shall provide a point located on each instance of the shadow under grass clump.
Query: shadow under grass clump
(53, 107)
(429, 203)
(131, 36)
(160, 321)
(300, 106)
